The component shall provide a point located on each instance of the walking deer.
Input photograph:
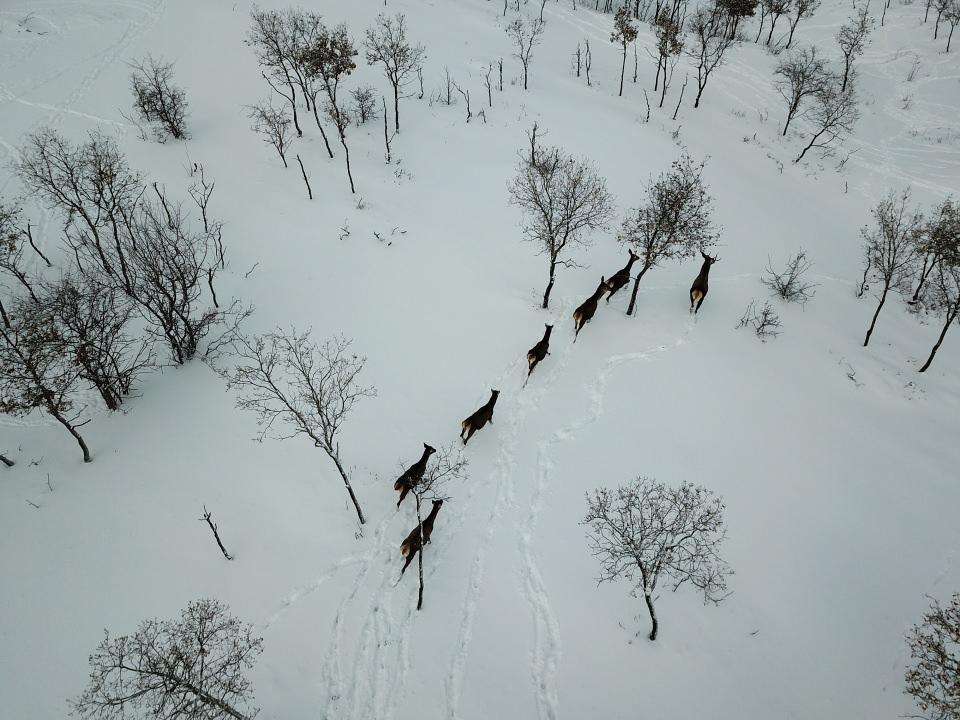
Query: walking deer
(539, 351)
(622, 276)
(412, 545)
(413, 474)
(480, 418)
(582, 315)
(698, 291)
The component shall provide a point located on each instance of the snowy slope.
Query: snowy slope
(841, 494)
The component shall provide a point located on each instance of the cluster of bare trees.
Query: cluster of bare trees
(302, 59)
(141, 274)
(933, 676)
(908, 252)
(157, 99)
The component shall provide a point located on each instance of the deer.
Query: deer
(582, 315)
(698, 291)
(539, 351)
(413, 474)
(622, 276)
(420, 534)
(480, 418)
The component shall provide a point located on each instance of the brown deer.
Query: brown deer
(539, 351)
(480, 418)
(698, 291)
(412, 545)
(622, 276)
(413, 474)
(582, 315)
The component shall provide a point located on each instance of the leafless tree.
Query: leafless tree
(273, 125)
(646, 529)
(939, 236)
(34, 374)
(525, 34)
(208, 518)
(562, 198)
(387, 44)
(891, 246)
(387, 135)
(289, 381)
(800, 9)
(327, 61)
(941, 7)
(158, 99)
(624, 33)
(790, 283)
(669, 39)
(193, 668)
(852, 38)
(587, 60)
(711, 40)
(732, 13)
(945, 296)
(465, 94)
(364, 104)
(92, 325)
(775, 9)
(764, 321)
(952, 15)
(92, 187)
(270, 37)
(445, 466)
(13, 241)
(832, 116)
(802, 75)
(933, 677)
(674, 222)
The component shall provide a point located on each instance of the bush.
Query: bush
(157, 99)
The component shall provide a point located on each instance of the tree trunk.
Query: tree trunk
(950, 36)
(73, 431)
(623, 68)
(396, 107)
(873, 323)
(847, 60)
(346, 482)
(653, 614)
(420, 557)
(792, 110)
(809, 145)
(293, 104)
(924, 273)
(951, 316)
(7, 461)
(4, 316)
(773, 24)
(633, 295)
(322, 133)
(546, 295)
(346, 151)
(793, 28)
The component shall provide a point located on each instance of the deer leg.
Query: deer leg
(409, 560)
(702, 297)
(470, 432)
(403, 494)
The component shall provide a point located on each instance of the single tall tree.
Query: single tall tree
(852, 38)
(387, 44)
(646, 530)
(624, 33)
(562, 199)
(890, 246)
(673, 223)
(832, 116)
(711, 40)
(800, 9)
(945, 297)
(800, 76)
(525, 34)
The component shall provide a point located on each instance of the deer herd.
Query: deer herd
(420, 535)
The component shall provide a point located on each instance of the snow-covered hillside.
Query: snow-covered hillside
(837, 463)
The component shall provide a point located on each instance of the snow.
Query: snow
(837, 463)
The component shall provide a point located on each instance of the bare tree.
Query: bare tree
(775, 9)
(193, 668)
(941, 7)
(34, 374)
(801, 75)
(711, 42)
(790, 283)
(624, 33)
(445, 466)
(732, 12)
(562, 199)
(674, 222)
(852, 38)
(364, 104)
(764, 321)
(525, 34)
(92, 322)
(939, 236)
(158, 99)
(951, 14)
(269, 36)
(307, 389)
(800, 9)
(387, 45)
(587, 61)
(669, 38)
(273, 125)
(945, 297)
(832, 116)
(891, 246)
(328, 59)
(933, 677)
(13, 241)
(646, 529)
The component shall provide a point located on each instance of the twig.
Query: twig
(216, 535)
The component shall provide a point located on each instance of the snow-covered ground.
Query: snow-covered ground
(838, 464)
